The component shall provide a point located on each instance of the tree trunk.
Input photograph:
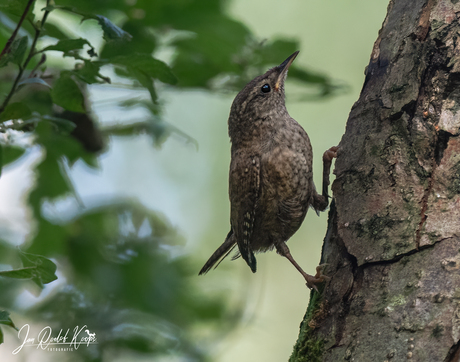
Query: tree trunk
(393, 240)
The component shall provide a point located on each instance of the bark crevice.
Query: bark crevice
(454, 353)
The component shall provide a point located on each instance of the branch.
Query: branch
(7, 47)
(29, 57)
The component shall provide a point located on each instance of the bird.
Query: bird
(271, 178)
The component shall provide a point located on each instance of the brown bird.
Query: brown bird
(271, 179)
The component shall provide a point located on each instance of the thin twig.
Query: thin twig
(42, 60)
(26, 62)
(7, 47)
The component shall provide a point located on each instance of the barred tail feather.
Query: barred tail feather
(250, 259)
(220, 254)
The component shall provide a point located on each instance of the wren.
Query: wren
(271, 177)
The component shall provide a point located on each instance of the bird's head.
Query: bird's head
(261, 98)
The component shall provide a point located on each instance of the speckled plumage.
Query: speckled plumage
(271, 180)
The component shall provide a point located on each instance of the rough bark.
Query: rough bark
(393, 240)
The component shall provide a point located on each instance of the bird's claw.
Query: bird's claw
(330, 154)
(319, 277)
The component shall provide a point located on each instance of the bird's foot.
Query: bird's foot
(330, 154)
(319, 277)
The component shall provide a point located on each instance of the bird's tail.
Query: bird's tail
(220, 254)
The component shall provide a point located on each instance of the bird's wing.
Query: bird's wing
(291, 211)
(244, 191)
(288, 181)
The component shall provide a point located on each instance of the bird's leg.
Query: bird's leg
(311, 280)
(320, 202)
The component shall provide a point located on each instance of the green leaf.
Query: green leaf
(16, 52)
(6, 320)
(53, 31)
(67, 45)
(16, 110)
(145, 80)
(212, 52)
(15, 7)
(274, 53)
(52, 180)
(126, 130)
(44, 269)
(22, 273)
(50, 8)
(34, 81)
(20, 50)
(111, 31)
(67, 94)
(52, 183)
(10, 154)
(62, 123)
(89, 72)
(150, 66)
(142, 41)
(158, 129)
(50, 239)
(307, 77)
(36, 267)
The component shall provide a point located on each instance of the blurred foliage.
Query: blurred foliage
(120, 266)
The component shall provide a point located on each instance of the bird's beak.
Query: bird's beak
(284, 67)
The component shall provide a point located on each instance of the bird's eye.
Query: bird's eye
(265, 88)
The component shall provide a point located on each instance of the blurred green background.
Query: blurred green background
(129, 237)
